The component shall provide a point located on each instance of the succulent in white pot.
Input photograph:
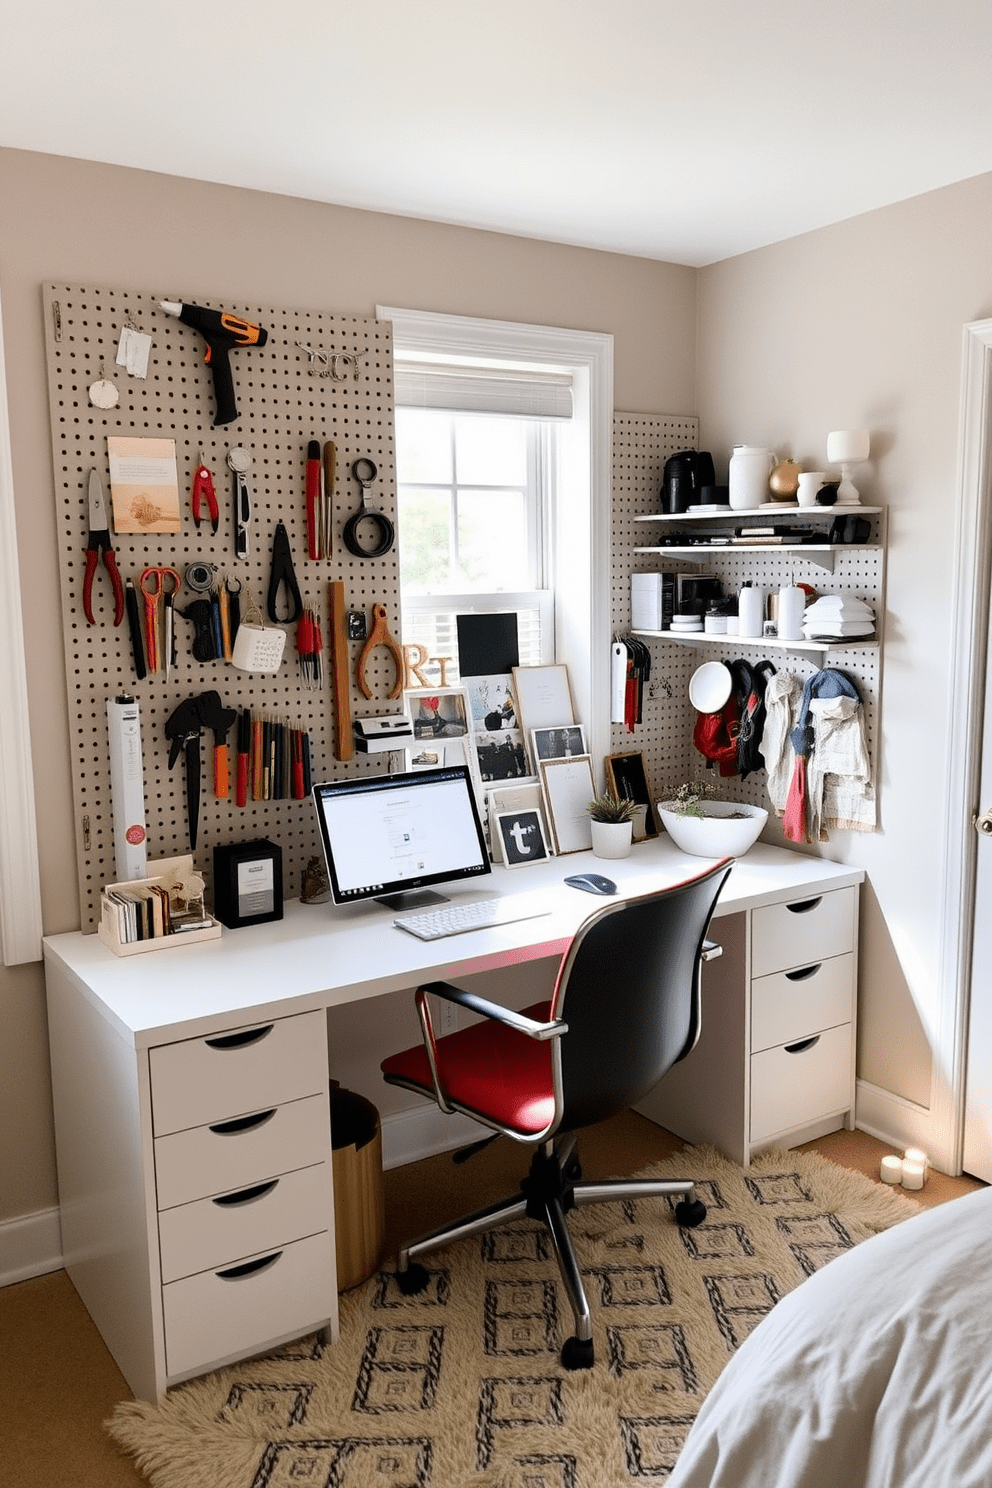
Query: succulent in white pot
(612, 820)
(707, 828)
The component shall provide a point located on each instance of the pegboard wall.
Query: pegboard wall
(288, 392)
(641, 445)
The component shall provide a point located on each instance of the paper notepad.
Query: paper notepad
(144, 484)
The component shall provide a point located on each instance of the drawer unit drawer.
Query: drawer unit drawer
(246, 1069)
(791, 1005)
(802, 931)
(798, 1083)
(230, 1154)
(219, 1231)
(237, 1309)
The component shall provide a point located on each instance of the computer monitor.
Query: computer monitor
(388, 837)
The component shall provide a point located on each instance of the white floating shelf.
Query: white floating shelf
(758, 643)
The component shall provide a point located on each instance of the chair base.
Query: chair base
(552, 1187)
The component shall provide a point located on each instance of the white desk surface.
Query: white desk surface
(325, 955)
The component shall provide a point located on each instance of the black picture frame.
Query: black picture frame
(625, 777)
(522, 839)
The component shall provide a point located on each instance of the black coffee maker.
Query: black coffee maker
(685, 475)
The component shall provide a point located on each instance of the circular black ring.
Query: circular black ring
(365, 471)
(387, 534)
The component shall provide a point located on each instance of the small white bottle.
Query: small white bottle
(750, 610)
(791, 604)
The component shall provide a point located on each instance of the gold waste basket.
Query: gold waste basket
(359, 1207)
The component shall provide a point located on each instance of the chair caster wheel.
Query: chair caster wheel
(689, 1213)
(413, 1280)
(577, 1353)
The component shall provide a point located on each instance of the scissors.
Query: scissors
(203, 490)
(98, 542)
(158, 578)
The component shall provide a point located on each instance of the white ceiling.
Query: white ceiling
(684, 131)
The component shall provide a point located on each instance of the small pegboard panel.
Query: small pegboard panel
(641, 445)
(319, 376)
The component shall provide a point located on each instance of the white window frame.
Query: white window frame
(580, 565)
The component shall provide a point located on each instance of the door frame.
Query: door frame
(969, 646)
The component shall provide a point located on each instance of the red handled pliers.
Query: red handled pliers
(203, 489)
(99, 542)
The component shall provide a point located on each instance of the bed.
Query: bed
(874, 1373)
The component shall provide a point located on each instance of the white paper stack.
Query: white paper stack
(645, 601)
(838, 617)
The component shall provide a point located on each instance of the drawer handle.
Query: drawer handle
(248, 1268)
(241, 1124)
(238, 1040)
(803, 906)
(804, 973)
(245, 1195)
(802, 1045)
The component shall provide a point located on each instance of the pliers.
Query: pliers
(380, 637)
(203, 489)
(99, 542)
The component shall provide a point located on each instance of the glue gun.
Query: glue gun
(222, 333)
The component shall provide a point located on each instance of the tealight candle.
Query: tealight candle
(917, 1155)
(891, 1170)
(912, 1175)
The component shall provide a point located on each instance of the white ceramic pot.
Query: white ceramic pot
(612, 839)
(727, 830)
(750, 469)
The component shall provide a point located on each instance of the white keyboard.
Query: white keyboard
(477, 914)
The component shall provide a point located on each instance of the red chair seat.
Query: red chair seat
(490, 1069)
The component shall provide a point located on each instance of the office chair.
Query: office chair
(625, 1008)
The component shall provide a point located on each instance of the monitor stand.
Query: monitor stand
(411, 899)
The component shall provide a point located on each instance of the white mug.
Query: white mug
(810, 482)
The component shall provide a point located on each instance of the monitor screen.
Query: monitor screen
(388, 837)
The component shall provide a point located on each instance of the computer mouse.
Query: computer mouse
(593, 883)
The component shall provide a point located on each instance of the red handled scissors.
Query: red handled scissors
(203, 490)
(98, 542)
(158, 578)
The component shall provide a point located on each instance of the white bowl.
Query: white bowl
(718, 834)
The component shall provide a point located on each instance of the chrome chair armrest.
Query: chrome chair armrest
(519, 1022)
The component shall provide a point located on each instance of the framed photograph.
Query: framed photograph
(438, 713)
(544, 699)
(558, 743)
(568, 788)
(625, 776)
(521, 837)
(492, 704)
(524, 797)
(426, 757)
(501, 756)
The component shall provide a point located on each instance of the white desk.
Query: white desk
(195, 1179)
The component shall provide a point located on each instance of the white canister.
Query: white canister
(750, 468)
(791, 604)
(750, 611)
(809, 483)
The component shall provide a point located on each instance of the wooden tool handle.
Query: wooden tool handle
(344, 744)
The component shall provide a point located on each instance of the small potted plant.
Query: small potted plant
(612, 819)
(707, 828)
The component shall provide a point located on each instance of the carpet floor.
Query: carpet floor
(462, 1385)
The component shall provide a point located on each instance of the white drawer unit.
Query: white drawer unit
(774, 1064)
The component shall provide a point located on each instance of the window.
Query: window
(542, 365)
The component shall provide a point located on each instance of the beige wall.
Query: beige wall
(861, 324)
(72, 222)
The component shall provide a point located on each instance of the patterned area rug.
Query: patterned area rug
(461, 1386)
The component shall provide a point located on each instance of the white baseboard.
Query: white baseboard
(30, 1245)
(410, 1135)
(901, 1123)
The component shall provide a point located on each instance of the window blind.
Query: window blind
(474, 389)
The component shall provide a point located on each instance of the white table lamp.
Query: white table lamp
(847, 447)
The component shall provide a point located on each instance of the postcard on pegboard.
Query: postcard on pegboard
(144, 484)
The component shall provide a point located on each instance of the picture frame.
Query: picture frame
(543, 696)
(562, 742)
(501, 756)
(625, 776)
(568, 787)
(521, 837)
(426, 757)
(438, 713)
(525, 796)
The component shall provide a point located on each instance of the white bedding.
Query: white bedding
(874, 1373)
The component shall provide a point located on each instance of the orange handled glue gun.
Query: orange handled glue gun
(223, 333)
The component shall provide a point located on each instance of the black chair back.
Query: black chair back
(629, 992)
